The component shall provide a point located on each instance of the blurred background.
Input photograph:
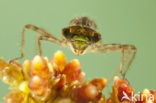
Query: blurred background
(119, 21)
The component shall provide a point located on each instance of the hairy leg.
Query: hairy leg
(50, 39)
(107, 48)
(133, 49)
(41, 32)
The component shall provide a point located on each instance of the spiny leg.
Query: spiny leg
(117, 70)
(129, 47)
(122, 61)
(63, 43)
(119, 67)
(107, 48)
(127, 55)
(36, 44)
(127, 52)
(39, 45)
(40, 31)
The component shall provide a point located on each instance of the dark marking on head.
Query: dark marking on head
(88, 34)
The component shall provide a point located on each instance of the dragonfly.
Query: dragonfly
(81, 37)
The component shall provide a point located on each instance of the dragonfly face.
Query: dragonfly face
(80, 39)
(81, 35)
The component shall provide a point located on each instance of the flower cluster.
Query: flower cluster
(41, 80)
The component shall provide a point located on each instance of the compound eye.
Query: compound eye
(96, 37)
(66, 33)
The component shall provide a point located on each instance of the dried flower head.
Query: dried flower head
(41, 80)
